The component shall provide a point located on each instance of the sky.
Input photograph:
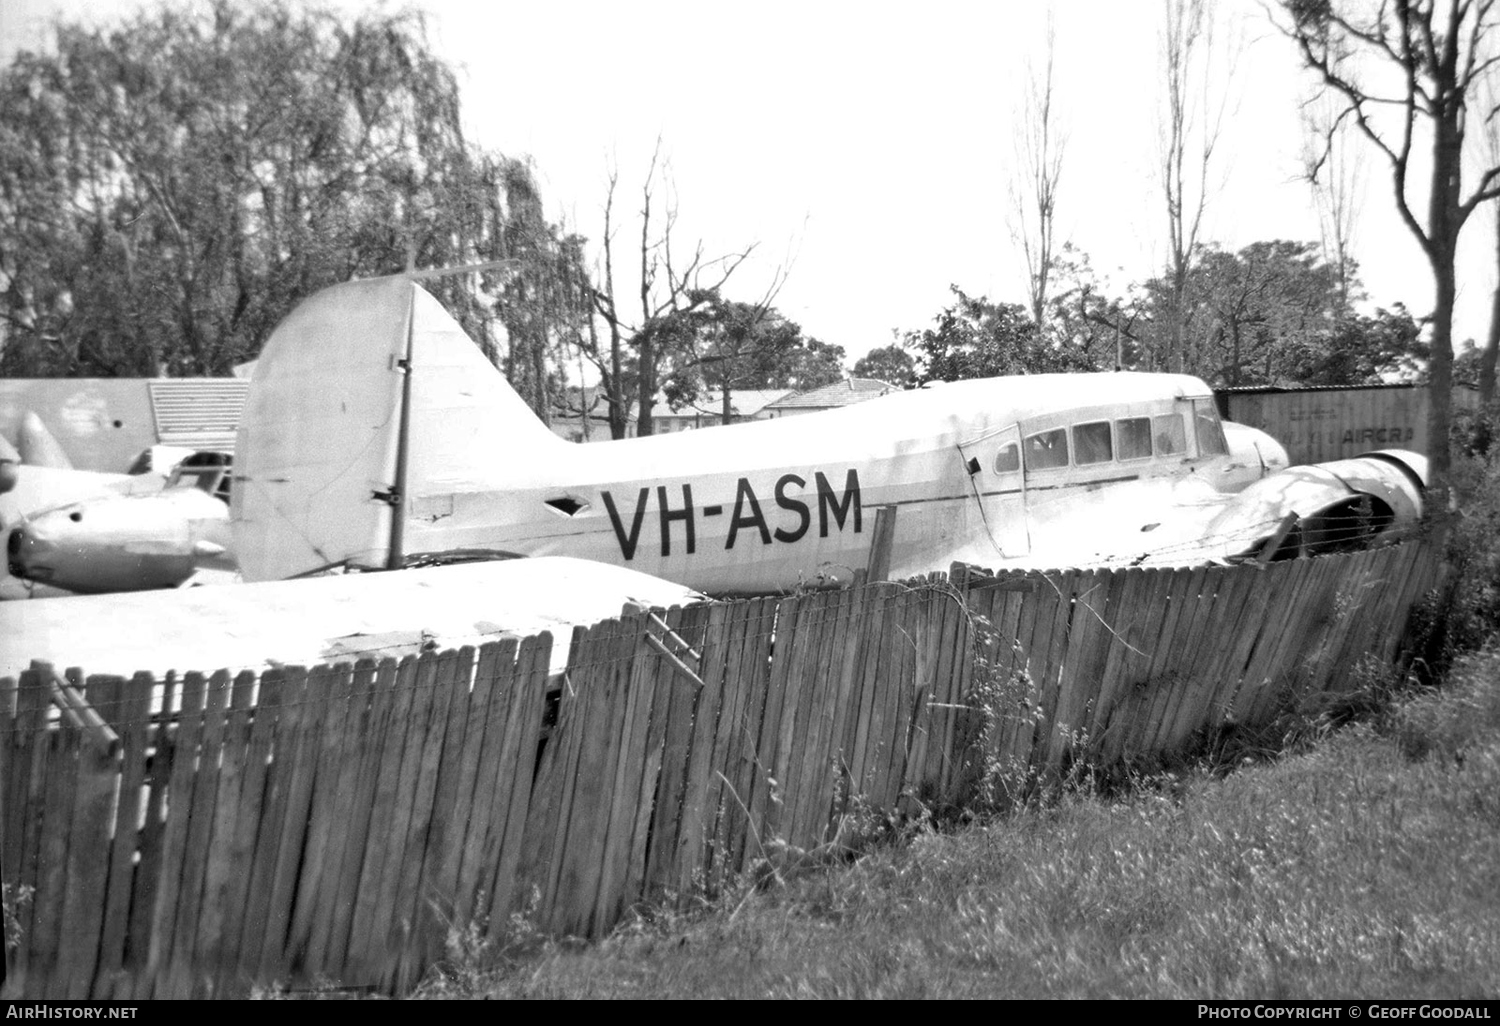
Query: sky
(865, 148)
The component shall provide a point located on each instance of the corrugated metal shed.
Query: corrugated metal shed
(1334, 423)
(198, 413)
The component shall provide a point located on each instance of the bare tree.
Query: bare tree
(1490, 100)
(1036, 175)
(1198, 72)
(642, 331)
(1334, 167)
(1432, 54)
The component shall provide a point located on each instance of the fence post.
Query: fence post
(879, 566)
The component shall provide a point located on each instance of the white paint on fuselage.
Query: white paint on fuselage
(801, 497)
(375, 433)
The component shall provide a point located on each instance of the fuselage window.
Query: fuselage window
(1135, 438)
(1091, 443)
(1047, 449)
(1008, 459)
(1167, 431)
(1210, 432)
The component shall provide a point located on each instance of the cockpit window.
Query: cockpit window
(1210, 432)
(1167, 432)
(1135, 438)
(1008, 459)
(1047, 449)
(1091, 443)
(206, 471)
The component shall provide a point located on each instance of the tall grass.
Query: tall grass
(1366, 866)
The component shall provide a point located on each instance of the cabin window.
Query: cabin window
(1092, 444)
(1210, 432)
(1135, 438)
(1047, 449)
(1008, 459)
(1167, 432)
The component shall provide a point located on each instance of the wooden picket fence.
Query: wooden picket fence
(205, 835)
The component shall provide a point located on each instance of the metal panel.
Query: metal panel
(200, 413)
(1318, 425)
(101, 423)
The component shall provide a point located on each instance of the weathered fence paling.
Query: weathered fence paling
(207, 834)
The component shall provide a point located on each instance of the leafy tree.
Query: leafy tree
(975, 338)
(730, 346)
(890, 363)
(1277, 312)
(172, 186)
(812, 364)
(1103, 331)
(1358, 350)
(1242, 311)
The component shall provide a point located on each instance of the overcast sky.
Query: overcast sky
(866, 146)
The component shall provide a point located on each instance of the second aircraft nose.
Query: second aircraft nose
(25, 547)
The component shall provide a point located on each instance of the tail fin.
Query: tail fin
(37, 446)
(367, 396)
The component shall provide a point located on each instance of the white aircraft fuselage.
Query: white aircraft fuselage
(375, 434)
(762, 506)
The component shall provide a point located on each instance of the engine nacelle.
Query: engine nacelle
(1324, 507)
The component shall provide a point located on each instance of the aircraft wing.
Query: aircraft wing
(38, 489)
(323, 619)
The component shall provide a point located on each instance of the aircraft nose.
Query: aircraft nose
(13, 553)
(22, 550)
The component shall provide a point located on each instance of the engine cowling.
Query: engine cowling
(1324, 507)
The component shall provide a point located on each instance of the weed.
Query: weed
(1468, 616)
(473, 961)
(14, 898)
(1451, 721)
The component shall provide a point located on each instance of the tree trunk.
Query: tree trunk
(1440, 386)
(619, 418)
(643, 420)
(1234, 367)
(1175, 361)
(728, 412)
(1443, 225)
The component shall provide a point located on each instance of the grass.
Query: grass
(1366, 865)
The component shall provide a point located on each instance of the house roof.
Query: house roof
(743, 402)
(840, 393)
